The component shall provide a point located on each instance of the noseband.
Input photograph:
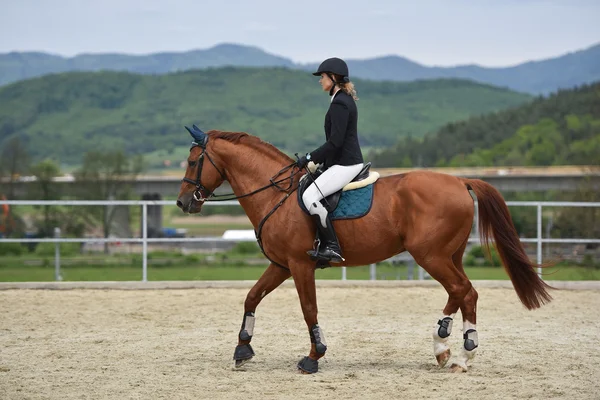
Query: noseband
(198, 192)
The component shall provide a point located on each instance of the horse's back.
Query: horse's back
(422, 189)
(426, 180)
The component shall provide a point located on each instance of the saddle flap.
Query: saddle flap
(364, 173)
(330, 202)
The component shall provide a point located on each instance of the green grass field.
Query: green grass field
(130, 272)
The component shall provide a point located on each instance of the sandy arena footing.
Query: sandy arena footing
(165, 342)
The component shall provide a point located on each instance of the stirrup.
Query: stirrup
(338, 257)
(315, 255)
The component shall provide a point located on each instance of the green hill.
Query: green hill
(561, 129)
(64, 115)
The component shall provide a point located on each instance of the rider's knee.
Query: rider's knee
(308, 198)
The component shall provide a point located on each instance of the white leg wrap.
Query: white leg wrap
(465, 356)
(439, 343)
(439, 347)
(249, 324)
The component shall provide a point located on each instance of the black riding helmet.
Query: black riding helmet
(331, 66)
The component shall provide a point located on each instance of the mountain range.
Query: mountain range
(535, 77)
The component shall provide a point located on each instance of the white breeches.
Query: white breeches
(330, 181)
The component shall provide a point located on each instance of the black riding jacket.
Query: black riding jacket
(341, 147)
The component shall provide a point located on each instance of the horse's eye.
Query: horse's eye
(192, 163)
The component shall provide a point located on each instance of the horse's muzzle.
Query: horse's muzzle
(188, 204)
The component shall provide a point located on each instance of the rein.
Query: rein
(210, 196)
(273, 183)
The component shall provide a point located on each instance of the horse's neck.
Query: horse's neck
(248, 170)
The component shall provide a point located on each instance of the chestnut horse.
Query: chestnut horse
(425, 213)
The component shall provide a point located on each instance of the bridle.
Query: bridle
(198, 195)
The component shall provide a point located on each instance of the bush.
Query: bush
(66, 249)
(245, 248)
(192, 259)
(470, 261)
(164, 254)
(477, 252)
(136, 260)
(11, 249)
(477, 257)
(589, 262)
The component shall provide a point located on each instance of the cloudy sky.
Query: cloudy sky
(433, 32)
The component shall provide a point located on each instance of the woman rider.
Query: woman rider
(340, 155)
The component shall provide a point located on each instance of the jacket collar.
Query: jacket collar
(332, 97)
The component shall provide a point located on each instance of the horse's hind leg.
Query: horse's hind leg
(269, 281)
(468, 309)
(457, 285)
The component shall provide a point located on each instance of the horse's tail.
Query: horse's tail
(494, 217)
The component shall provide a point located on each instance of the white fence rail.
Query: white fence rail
(144, 239)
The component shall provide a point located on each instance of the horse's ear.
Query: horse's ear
(199, 136)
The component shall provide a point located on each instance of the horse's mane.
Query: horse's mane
(253, 141)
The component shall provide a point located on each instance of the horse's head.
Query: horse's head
(200, 179)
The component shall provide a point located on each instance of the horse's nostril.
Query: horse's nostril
(179, 204)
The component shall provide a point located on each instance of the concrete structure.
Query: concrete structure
(505, 179)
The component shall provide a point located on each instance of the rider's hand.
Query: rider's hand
(302, 162)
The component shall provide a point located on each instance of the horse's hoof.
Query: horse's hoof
(308, 366)
(237, 364)
(457, 368)
(443, 358)
(242, 354)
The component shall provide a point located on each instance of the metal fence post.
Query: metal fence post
(57, 276)
(539, 238)
(343, 273)
(145, 242)
(373, 272)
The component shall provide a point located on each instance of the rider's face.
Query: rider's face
(325, 82)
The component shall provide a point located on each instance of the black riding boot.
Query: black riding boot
(329, 248)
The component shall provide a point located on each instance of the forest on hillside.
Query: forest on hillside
(560, 129)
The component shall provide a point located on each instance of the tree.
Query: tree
(106, 176)
(44, 189)
(583, 222)
(14, 161)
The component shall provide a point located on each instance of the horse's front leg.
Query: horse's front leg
(269, 281)
(304, 278)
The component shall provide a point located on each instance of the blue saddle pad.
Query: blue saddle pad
(354, 203)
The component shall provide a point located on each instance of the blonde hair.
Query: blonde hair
(347, 87)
